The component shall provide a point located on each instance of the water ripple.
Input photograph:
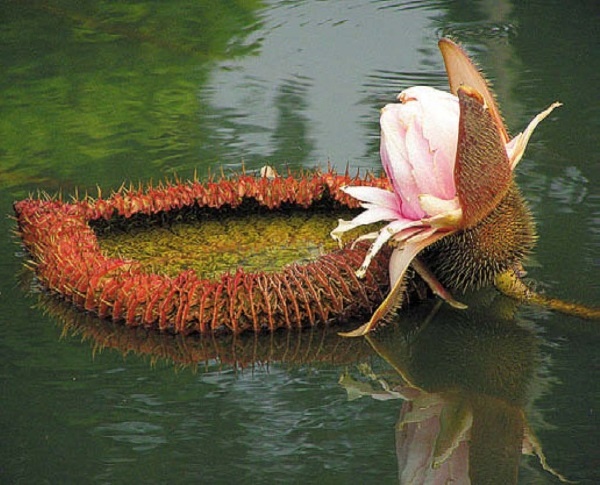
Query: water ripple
(399, 80)
(421, 5)
(142, 435)
(478, 30)
(569, 189)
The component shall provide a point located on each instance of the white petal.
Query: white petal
(401, 263)
(421, 236)
(375, 195)
(375, 213)
(434, 206)
(371, 215)
(516, 147)
(395, 268)
(443, 213)
(446, 220)
(341, 228)
(365, 237)
(382, 238)
(389, 231)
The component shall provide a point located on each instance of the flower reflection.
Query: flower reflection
(467, 383)
(432, 439)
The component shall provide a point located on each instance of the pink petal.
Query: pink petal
(394, 156)
(439, 129)
(443, 170)
(421, 165)
(440, 116)
(418, 146)
(375, 195)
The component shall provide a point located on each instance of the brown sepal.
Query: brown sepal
(482, 171)
(462, 72)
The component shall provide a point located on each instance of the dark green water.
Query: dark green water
(97, 93)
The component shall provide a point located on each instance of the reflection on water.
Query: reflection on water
(468, 381)
(109, 89)
(337, 102)
(310, 346)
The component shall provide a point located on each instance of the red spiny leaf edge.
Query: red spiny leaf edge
(68, 261)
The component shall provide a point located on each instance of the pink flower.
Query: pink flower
(432, 439)
(433, 148)
(418, 151)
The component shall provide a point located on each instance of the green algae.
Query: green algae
(214, 244)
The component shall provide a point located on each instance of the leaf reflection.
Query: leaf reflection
(314, 346)
(468, 381)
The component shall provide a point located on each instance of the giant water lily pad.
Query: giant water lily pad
(180, 281)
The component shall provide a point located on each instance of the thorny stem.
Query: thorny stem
(511, 285)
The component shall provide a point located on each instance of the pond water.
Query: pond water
(98, 93)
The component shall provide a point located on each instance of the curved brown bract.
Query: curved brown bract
(482, 172)
(462, 72)
(68, 261)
